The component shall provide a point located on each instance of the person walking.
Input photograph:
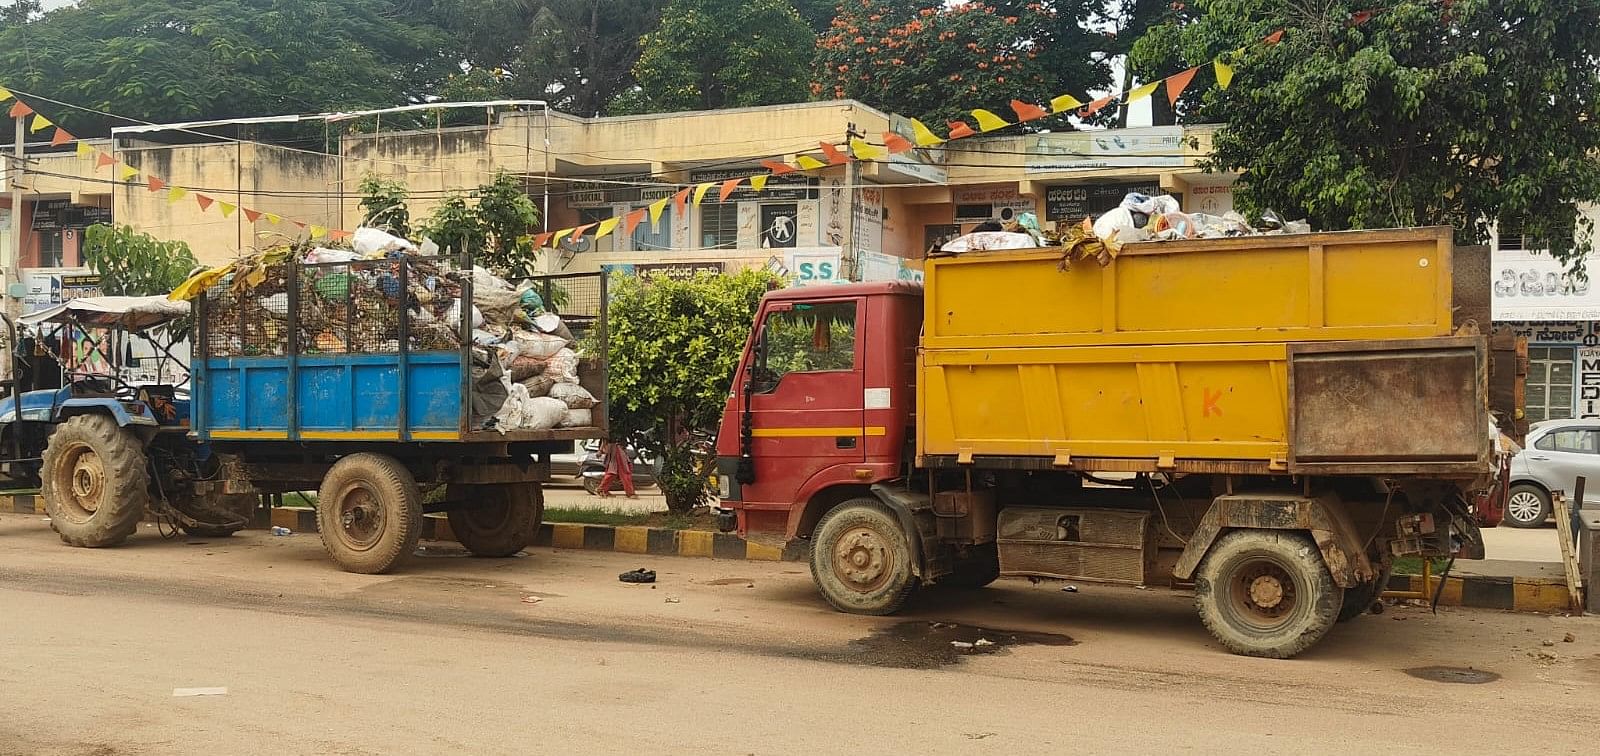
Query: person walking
(617, 466)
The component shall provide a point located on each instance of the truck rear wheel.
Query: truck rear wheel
(369, 513)
(95, 481)
(861, 559)
(1266, 593)
(503, 520)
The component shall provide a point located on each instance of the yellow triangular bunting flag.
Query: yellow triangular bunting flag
(655, 211)
(272, 218)
(127, 172)
(84, 150)
(924, 136)
(40, 123)
(606, 227)
(1064, 103)
(865, 151)
(1142, 92)
(700, 192)
(317, 232)
(176, 193)
(555, 241)
(227, 209)
(1224, 73)
(808, 163)
(759, 182)
(988, 121)
(5, 94)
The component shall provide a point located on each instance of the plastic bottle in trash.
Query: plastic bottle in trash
(280, 531)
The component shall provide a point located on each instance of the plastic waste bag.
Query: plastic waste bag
(373, 242)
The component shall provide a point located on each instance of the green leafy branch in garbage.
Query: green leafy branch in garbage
(383, 205)
(494, 229)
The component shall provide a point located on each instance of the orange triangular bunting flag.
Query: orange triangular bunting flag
(778, 167)
(681, 200)
(541, 240)
(1274, 38)
(577, 233)
(728, 188)
(61, 137)
(203, 201)
(632, 221)
(102, 160)
(338, 234)
(21, 110)
(1178, 82)
(1094, 107)
(834, 155)
(896, 143)
(1027, 111)
(300, 225)
(960, 130)
(155, 184)
(250, 215)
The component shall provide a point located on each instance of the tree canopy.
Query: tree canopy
(710, 54)
(1424, 112)
(937, 63)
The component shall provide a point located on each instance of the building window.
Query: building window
(719, 225)
(1549, 384)
(650, 238)
(51, 249)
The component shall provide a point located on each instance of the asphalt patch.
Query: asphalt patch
(1463, 675)
(919, 644)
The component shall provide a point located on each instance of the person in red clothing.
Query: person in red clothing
(617, 466)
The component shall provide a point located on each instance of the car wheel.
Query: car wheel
(1527, 506)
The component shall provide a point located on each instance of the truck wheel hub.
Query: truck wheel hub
(1266, 591)
(861, 559)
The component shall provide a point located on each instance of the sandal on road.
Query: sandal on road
(640, 575)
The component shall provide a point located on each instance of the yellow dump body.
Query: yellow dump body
(1257, 354)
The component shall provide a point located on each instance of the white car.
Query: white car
(1557, 452)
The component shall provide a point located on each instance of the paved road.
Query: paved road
(721, 657)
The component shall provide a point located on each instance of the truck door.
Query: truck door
(807, 411)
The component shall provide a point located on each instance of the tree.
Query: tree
(710, 54)
(1149, 35)
(577, 54)
(673, 348)
(383, 205)
(494, 229)
(818, 14)
(1457, 113)
(938, 63)
(169, 60)
(135, 264)
(19, 12)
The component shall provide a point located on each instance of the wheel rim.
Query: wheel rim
(362, 518)
(1263, 594)
(81, 482)
(1524, 506)
(862, 559)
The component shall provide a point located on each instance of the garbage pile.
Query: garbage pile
(1138, 218)
(350, 301)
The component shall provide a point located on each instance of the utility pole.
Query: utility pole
(852, 178)
(13, 249)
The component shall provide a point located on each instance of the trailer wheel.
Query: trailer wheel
(504, 522)
(95, 481)
(369, 513)
(1266, 593)
(861, 559)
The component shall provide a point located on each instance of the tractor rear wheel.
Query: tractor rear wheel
(95, 482)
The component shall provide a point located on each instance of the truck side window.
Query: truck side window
(807, 339)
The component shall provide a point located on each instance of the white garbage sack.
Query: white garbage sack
(576, 397)
(511, 416)
(374, 242)
(563, 366)
(541, 412)
(982, 240)
(325, 255)
(452, 317)
(540, 346)
(577, 418)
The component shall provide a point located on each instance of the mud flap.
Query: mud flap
(1320, 516)
(915, 511)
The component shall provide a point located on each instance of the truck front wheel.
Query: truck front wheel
(1266, 593)
(369, 513)
(861, 559)
(95, 482)
(503, 520)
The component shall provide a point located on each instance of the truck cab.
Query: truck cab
(822, 403)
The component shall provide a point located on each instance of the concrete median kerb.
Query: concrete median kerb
(1518, 594)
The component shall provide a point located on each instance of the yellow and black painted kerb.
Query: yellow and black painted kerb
(1519, 594)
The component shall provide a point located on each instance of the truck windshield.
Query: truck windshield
(809, 338)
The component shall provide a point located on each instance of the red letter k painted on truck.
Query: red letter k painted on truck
(1208, 407)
